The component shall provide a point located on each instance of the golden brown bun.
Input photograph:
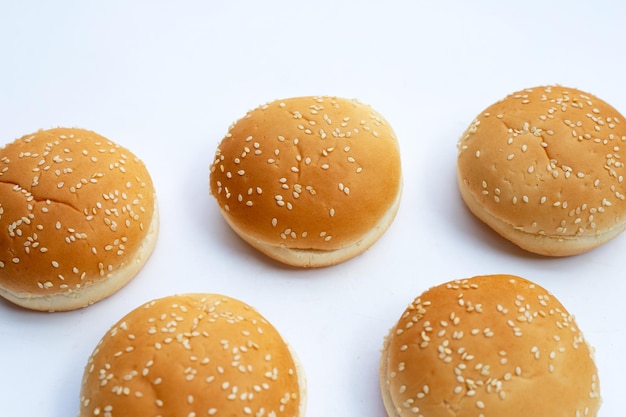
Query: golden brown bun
(309, 181)
(488, 346)
(193, 355)
(543, 168)
(79, 219)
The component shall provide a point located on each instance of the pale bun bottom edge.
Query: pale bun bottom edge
(315, 258)
(540, 244)
(90, 294)
(392, 410)
(302, 382)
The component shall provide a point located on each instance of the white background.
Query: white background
(166, 79)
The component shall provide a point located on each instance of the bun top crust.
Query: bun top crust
(74, 207)
(307, 172)
(547, 161)
(192, 355)
(495, 345)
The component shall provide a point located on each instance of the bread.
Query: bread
(543, 168)
(193, 355)
(309, 181)
(488, 346)
(79, 219)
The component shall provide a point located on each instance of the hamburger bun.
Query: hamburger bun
(309, 181)
(543, 168)
(193, 355)
(78, 216)
(488, 346)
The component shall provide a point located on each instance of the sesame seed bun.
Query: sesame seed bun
(79, 219)
(488, 346)
(193, 355)
(309, 181)
(543, 168)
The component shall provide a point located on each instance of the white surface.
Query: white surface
(166, 79)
